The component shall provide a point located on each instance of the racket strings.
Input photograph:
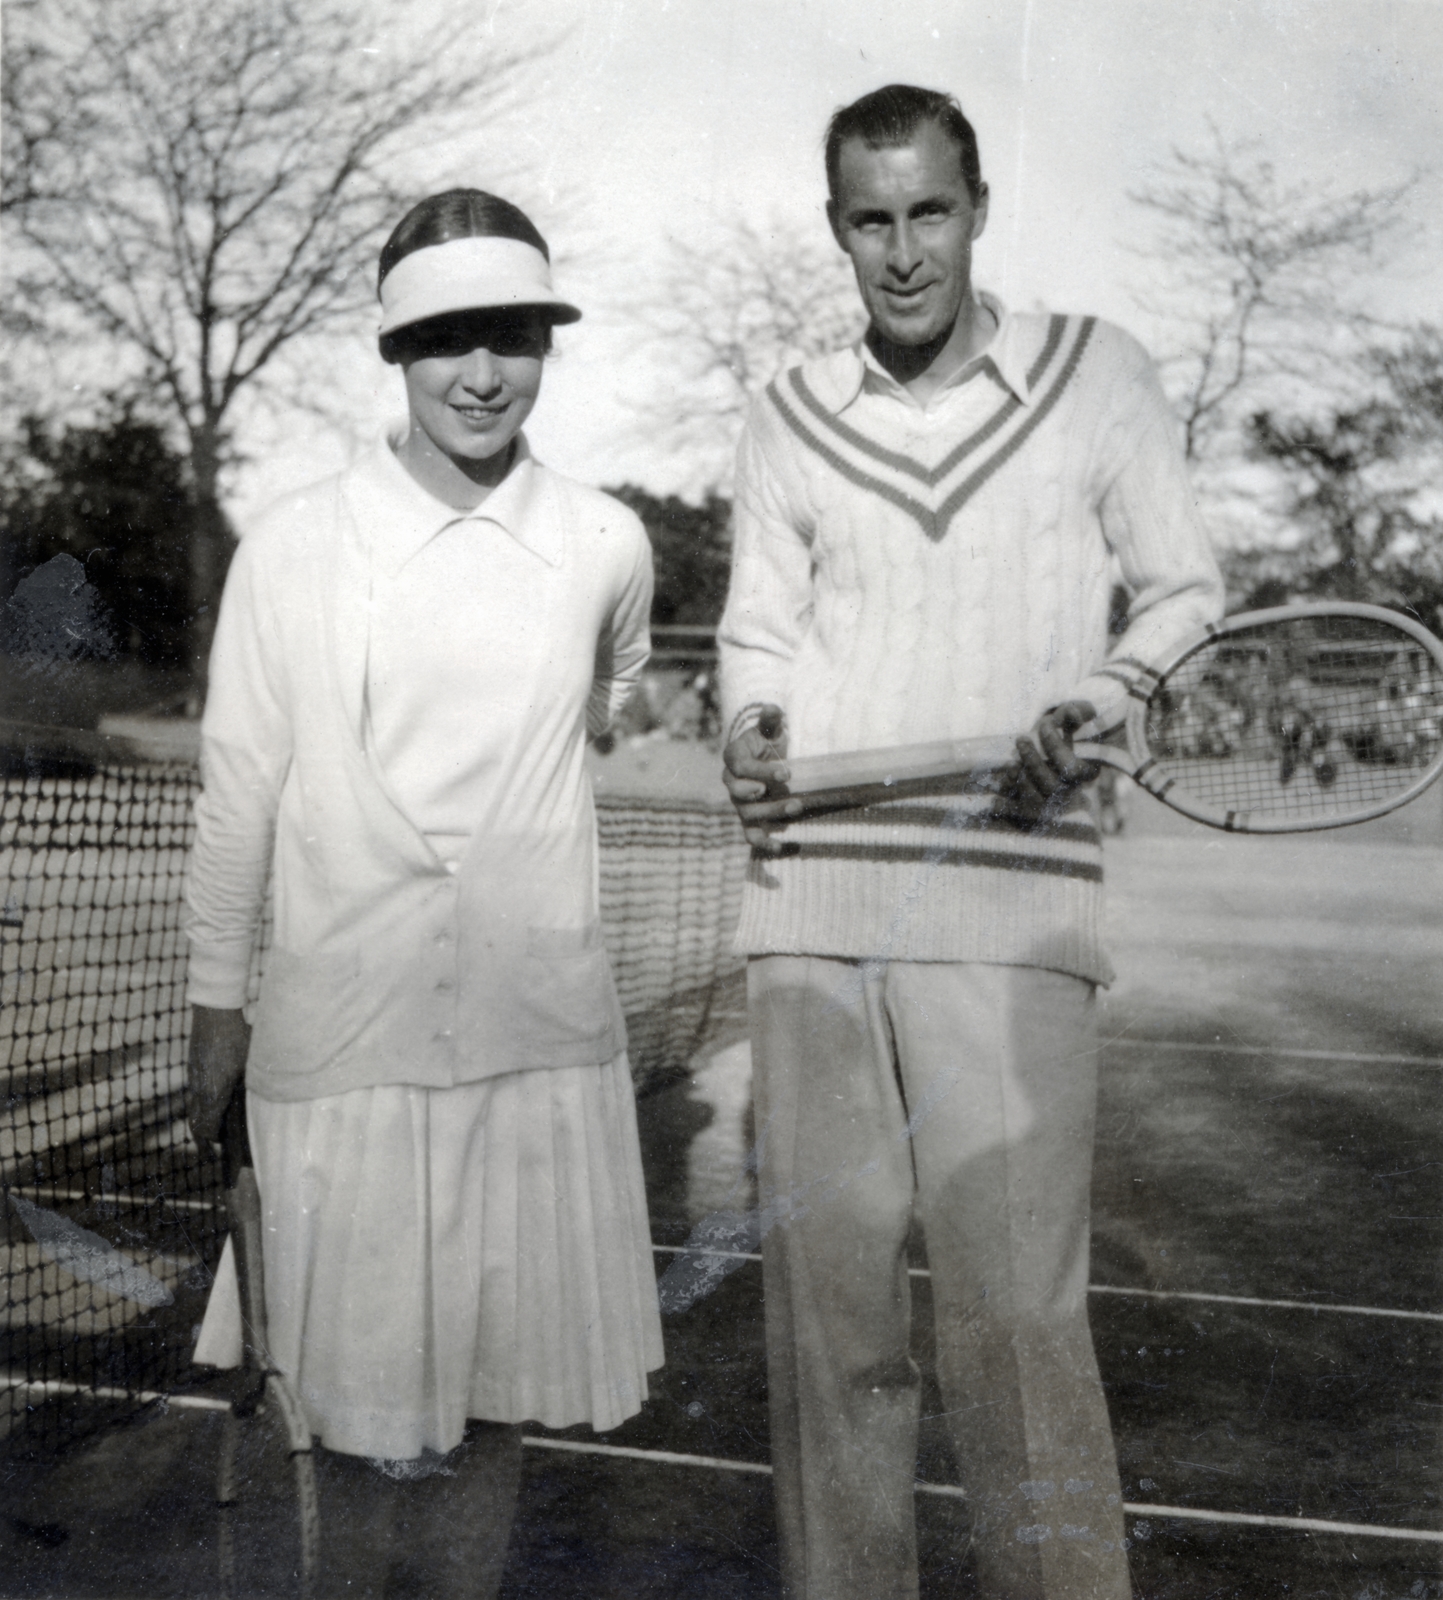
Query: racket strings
(1312, 718)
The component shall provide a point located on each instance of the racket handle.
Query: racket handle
(869, 777)
(943, 758)
(235, 1144)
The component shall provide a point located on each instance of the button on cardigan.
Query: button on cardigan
(350, 767)
(905, 573)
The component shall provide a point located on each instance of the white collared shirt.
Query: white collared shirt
(387, 671)
(1004, 359)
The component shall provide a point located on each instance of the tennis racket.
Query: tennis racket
(1280, 721)
(266, 1424)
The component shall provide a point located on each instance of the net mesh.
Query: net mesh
(112, 1222)
(1303, 721)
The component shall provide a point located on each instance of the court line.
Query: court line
(1268, 1050)
(1136, 1294)
(1278, 1305)
(678, 1458)
(671, 1458)
(1144, 1509)
(1249, 1519)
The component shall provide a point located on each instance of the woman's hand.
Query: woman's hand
(219, 1043)
(1049, 773)
(754, 768)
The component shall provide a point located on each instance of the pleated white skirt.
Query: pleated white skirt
(438, 1254)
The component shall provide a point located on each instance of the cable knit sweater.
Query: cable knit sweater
(905, 573)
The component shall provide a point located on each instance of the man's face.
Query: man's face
(904, 216)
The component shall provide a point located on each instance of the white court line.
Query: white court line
(1136, 1294)
(1269, 1050)
(687, 1250)
(671, 1458)
(1248, 1519)
(677, 1458)
(1358, 1530)
(1280, 1305)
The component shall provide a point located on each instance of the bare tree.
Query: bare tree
(202, 184)
(734, 310)
(44, 119)
(1260, 282)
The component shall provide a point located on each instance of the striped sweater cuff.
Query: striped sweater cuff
(746, 719)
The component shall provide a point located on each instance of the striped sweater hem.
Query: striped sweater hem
(933, 880)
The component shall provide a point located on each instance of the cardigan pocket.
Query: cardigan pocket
(309, 1010)
(565, 997)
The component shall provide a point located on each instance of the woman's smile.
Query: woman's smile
(471, 382)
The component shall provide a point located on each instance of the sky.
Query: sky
(651, 120)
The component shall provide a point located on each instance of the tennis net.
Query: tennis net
(110, 1214)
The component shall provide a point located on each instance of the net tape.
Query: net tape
(111, 1226)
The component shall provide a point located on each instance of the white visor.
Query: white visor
(469, 275)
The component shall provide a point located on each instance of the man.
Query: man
(926, 527)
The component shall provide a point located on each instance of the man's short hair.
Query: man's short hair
(889, 117)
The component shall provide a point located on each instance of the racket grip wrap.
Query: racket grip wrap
(235, 1144)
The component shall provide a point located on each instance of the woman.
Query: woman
(408, 659)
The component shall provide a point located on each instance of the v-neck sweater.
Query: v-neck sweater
(905, 573)
(432, 854)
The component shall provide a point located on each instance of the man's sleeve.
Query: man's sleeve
(245, 754)
(625, 643)
(1150, 519)
(769, 601)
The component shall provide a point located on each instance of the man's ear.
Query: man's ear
(834, 222)
(979, 210)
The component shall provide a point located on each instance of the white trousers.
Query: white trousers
(964, 1095)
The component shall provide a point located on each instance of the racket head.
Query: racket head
(1293, 719)
(270, 1526)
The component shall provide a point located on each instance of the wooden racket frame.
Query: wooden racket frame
(848, 779)
(267, 1385)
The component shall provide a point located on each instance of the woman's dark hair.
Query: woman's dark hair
(890, 117)
(457, 214)
(439, 218)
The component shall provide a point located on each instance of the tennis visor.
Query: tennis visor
(469, 275)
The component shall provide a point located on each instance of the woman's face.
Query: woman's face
(472, 379)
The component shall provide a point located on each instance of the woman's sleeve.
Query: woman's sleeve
(245, 754)
(624, 644)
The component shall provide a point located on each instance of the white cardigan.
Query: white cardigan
(388, 965)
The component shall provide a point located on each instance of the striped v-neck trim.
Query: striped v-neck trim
(933, 496)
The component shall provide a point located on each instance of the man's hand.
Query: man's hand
(219, 1042)
(754, 768)
(1050, 769)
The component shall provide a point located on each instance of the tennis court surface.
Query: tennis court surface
(1267, 1270)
